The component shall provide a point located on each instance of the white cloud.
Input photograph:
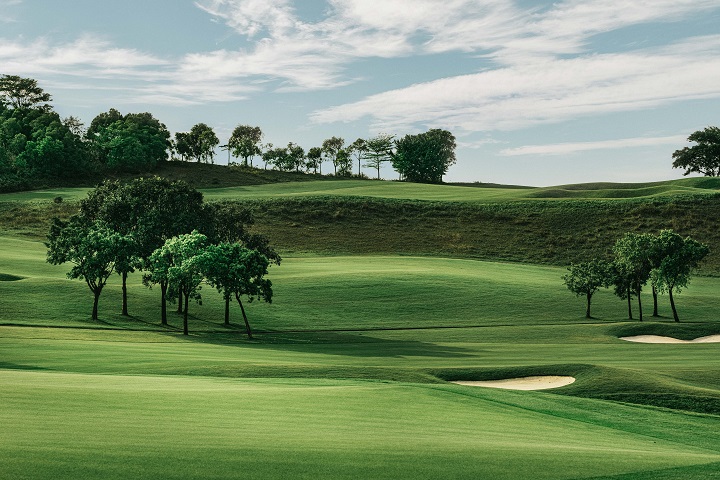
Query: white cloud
(550, 90)
(5, 11)
(575, 147)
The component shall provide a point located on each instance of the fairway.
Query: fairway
(351, 370)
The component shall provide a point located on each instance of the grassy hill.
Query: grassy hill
(387, 293)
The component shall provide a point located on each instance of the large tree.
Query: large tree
(237, 271)
(425, 157)
(19, 93)
(681, 256)
(132, 142)
(701, 158)
(245, 142)
(587, 278)
(91, 247)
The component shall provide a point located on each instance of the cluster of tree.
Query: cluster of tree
(35, 143)
(166, 230)
(666, 260)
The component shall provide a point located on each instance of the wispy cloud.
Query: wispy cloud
(549, 90)
(575, 147)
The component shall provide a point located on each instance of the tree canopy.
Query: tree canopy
(245, 142)
(19, 92)
(425, 157)
(587, 278)
(701, 158)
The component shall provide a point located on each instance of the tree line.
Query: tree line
(666, 260)
(166, 230)
(36, 143)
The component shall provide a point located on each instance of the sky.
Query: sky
(536, 92)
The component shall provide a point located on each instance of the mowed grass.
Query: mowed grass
(68, 426)
(124, 397)
(346, 376)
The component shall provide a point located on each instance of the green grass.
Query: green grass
(347, 376)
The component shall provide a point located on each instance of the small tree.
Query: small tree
(331, 147)
(358, 148)
(92, 247)
(681, 258)
(587, 278)
(245, 142)
(378, 150)
(314, 159)
(295, 157)
(701, 158)
(179, 263)
(633, 254)
(344, 163)
(236, 271)
(622, 281)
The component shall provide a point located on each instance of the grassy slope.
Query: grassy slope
(215, 403)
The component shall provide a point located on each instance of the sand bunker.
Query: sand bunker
(524, 383)
(659, 339)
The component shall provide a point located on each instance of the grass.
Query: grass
(347, 376)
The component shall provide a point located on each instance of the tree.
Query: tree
(330, 148)
(587, 278)
(92, 247)
(701, 158)
(622, 281)
(295, 157)
(236, 271)
(245, 142)
(200, 143)
(150, 210)
(344, 163)
(182, 145)
(180, 264)
(378, 150)
(681, 257)
(632, 253)
(20, 93)
(134, 142)
(314, 159)
(358, 147)
(426, 157)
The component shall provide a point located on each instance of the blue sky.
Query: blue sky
(536, 92)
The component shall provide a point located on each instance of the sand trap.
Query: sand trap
(659, 339)
(524, 383)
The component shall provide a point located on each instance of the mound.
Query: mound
(523, 383)
(661, 339)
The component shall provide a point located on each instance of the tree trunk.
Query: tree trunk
(655, 295)
(358, 167)
(163, 303)
(124, 294)
(180, 302)
(672, 305)
(639, 306)
(247, 324)
(227, 310)
(630, 316)
(587, 312)
(378, 168)
(185, 317)
(95, 304)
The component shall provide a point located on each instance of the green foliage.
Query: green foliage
(245, 142)
(378, 150)
(425, 157)
(134, 142)
(314, 159)
(199, 143)
(93, 248)
(331, 147)
(22, 93)
(587, 278)
(701, 158)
